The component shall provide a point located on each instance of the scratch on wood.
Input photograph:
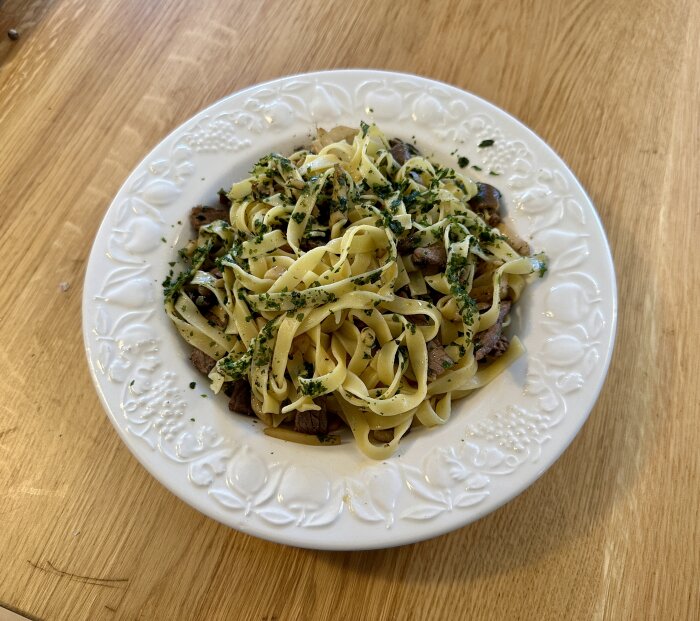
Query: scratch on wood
(110, 608)
(5, 432)
(110, 583)
(37, 491)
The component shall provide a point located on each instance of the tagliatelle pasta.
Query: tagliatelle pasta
(355, 282)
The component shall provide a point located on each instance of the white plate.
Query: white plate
(497, 442)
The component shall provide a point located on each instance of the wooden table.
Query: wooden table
(611, 531)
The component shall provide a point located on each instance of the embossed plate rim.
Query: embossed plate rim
(447, 487)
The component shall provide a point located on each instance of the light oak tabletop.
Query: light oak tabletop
(611, 531)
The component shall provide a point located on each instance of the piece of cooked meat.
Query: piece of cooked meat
(492, 218)
(223, 198)
(517, 243)
(430, 259)
(217, 316)
(487, 202)
(482, 295)
(204, 299)
(312, 421)
(202, 215)
(418, 320)
(500, 348)
(402, 151)
(310, 242)
(405, 245)
(202, 362)
(334, 422)
(240, 398)
(307, 244)
(486, 197)
(207, 294)
(438, 360)
(486, 341)
(383, 435)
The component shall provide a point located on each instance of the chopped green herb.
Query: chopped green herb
(313, 388)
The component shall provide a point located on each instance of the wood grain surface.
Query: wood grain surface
(611, 531)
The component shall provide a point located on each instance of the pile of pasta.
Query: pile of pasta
(316, 299)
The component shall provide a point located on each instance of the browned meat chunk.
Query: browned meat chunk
(405, 245)
(383, 435)
(204, 297)
(313, 241)
(487, 203)
(334, 422)
(418, 320)
(217, 316)
(487, 197)
(223, 198)
(431, 259)
(240, 398)
(202, 362)
(401, 151)
(517, 243)
(482, 295)
(492, 218)
(486, 341)
(312, 421)
(201, 216)
(500, 348)
(438, 360)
